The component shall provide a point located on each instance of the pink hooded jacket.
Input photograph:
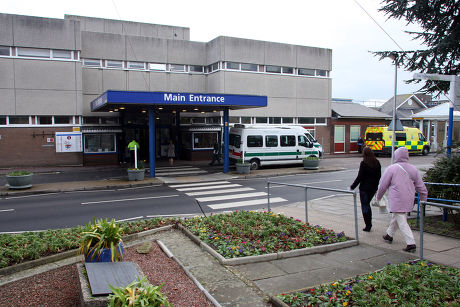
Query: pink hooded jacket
(401, 188)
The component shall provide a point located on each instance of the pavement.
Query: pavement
(253, 284)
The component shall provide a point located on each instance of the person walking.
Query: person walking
(171, 152)
(401, 179)
(368, 180)
(360, 144)
(133, 146)
(215, 154)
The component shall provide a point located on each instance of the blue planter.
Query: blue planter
(105, 256)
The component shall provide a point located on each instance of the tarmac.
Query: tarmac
(252, 284)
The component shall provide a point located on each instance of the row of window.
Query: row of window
(277, 120)
(12, 120)
(55, 54)
(270, 140)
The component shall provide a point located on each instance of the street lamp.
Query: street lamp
(394, 57)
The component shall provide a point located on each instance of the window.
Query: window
(233, 65)
(176, 67)
(400, 137)
(91, 63)
(213, 67)
(273, 69)
(213, 120)
(157, 66)
(355, 133)
(339, 134)
(19, 120)
(255, 141)
(274, 120)
(62, 54)
(93, 120)
(288, 120)
(288, 70)
(45, 120)
(204, 140)
(136, 65)
(321, 73)
(245, 119)
(62, 120)
(271, 141)
(287, 140)
(370, 136)
(261, 120)
(307, 120)
(197, 120)
(421, 137)
(109, 120)
(196, 68)
(99, 143)
(321, 120)
(114, 64)
(249, 67)
(234, 140)
(306, 72)
(2, 120)
(303, 141)
(34, 52)
(4, 50)
(234, 119)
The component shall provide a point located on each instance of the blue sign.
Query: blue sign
(172, 98)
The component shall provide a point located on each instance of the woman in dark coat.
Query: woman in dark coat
(368, 179)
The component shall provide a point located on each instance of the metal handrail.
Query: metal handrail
(444, 215)
(425, 203)
(307, 187)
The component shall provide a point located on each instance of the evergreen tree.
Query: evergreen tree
(440, 21)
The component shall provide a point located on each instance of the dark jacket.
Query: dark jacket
(368, 178)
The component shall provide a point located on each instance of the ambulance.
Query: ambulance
(379, 140)
(269, 145)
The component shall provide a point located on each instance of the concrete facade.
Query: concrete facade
(56, 67)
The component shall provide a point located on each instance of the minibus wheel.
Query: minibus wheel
(255, 164)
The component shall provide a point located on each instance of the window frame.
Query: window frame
(288, 140)
(114, 138)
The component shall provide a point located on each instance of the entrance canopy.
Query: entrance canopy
(198, 102)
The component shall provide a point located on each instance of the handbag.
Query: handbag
(382, 204)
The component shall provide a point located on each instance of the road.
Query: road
(60, 210)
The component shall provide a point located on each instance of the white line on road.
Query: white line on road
(219, 191)
(233, 196)
(168, 215)
(20, 231)
(209, 187)
(197, 184)
(127, 199)
(136, 188)
(6, 210)
(247, 203)
(129, 219)
(329, 196)
(35, 195)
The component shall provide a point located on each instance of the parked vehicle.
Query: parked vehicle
(269, 145)
(378, 139)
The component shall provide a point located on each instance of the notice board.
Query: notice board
(68, 142)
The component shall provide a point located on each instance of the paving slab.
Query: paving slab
(261, 270)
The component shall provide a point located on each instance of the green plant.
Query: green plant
(19, 173)
(101, 235)
(138, 293)
(312, 158)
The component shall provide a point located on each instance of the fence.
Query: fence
(306, 187)
(444, 216)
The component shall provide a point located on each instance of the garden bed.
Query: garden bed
(414, 283)
(435, 225)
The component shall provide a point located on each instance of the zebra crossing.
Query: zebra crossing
(178, 171)
(223, 194)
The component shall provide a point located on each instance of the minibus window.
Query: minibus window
(287, 140)
(271, 141)
(235, 140)
(303, 141)
(255, 141)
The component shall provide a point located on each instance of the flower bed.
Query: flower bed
(249, 233)
(416, 283)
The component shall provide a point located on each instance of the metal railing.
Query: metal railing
(444, 215)
(306, 187)
(427, 203)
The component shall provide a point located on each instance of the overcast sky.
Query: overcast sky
(337, 24)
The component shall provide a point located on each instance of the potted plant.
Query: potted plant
(242, 167)
(19, 179)
(138, 293)
(101, 242)
(136, 173)
(311, 162)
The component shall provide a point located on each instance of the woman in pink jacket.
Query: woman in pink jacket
(401, 179)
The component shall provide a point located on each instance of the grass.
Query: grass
(435, 224)
(416, 283)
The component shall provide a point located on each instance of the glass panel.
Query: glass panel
(234, 140)
(261, 120)
(400, 137)
(197, 120)
(62, 54)
(4, 50)
(288, 120)
(287, 140)
(234, 119)
(45, 120)
(288, 70)
(370, 136)
(99, 143)
(321, 120)
(176, 67)
(34, 52)
(19, 120)
(107, 142)
(157, 66)
(249, 67)
(273, 69)
(321, 73)
(196, 68)
(91, 63)
(215, 66)
(339, 134)
(114, 64)
(109, 120)
(186, 140)
(2, 120)
(136, 65)
(213, 120)
(255, 141)
(302, 140)
(91, 120)
(62, 120)
(355, 132)
(233, 65)
(274, 120)
(306, 120)
(204, 140)
(245, 120)
(306, 72)
(271, 141)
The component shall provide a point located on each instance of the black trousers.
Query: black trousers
(365, 197)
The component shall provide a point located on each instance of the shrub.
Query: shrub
(19, 173)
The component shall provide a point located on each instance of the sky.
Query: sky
(341, 25)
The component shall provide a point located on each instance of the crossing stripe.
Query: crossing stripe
(246, 203)
(179, 173)
(176, 167)
(233, 196)
(209, 187)
(197, 184)
(219, 191)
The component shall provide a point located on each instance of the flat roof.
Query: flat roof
(133, 100)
